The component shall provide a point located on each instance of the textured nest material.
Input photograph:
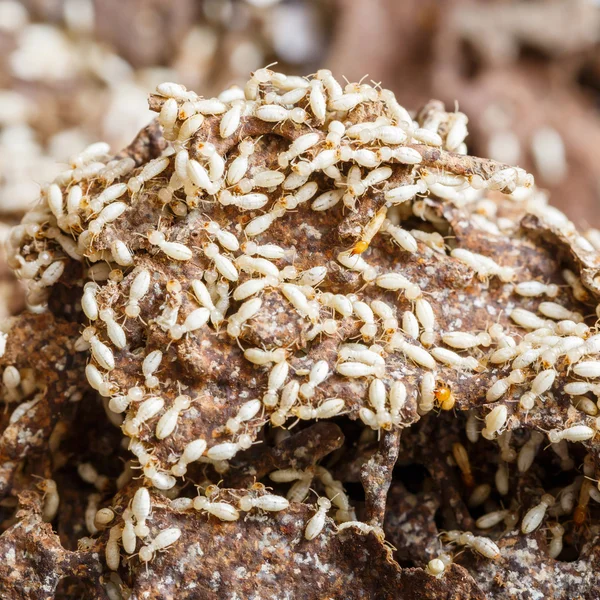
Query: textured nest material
(304, 287)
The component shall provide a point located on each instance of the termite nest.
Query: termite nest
(295, 340)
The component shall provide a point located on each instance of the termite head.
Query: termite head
(445, 398)
(360, 247)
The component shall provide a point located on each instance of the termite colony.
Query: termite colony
(265, 290)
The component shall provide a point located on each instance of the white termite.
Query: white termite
(316, 523)
(88, 300)
(113, 170)
(11, 377)
(139, 288)
(395, 282)
(163, 540)
(528, 451)
(534, 516)
(100, 351)
(263, 266)
(111, 552)
(267, 502)
(238, 167)
(579, 291)
(251, 201)
(151, 169)
(248, 410)
(410, 324)
(173, 250)
(231, 120)
(355, 262)
(289, 397)
(51, 499)
(479, 495)
(585, 405)
(191, 453)
(318, 374)
(194, 321)
(562, 451)
(379, 417)
(148, 409)
(299, 301)
(168, 421)
(427, 392)
(223, 264)
(403, 193)
(52, 274)
(252, 287)
(159, 479)
(452, 359)
(589, 369)
(221, 510)
(277, 377)
(426, 316)
(246, 311)
(484, 266)
(501, 386)
(578, 388)
(387, 314)
(576, 433)
(141, 506)
(150, 365)
(590, 346)
(491, 519)
(501, 479)
(302, 479)
(89, 474)
(402, 237)
(532, 289)
(121, 253)
(507, 453)
(415, 353)
(108, 214)
(338, 302)
(330, 408)
(435, 567)
(268, 251)
(457, 131)
(482, 545)
(261, 223)
(464, 341)
(361, 353)
(103, 517)
(558, 312)
(227, 239)
(228, 450)
(273, 113)
(190, 127)
(354, 369)
(495, 421)
(527, 319)
(128, 537)
(556, 541)
(115, 332)
(264, 357)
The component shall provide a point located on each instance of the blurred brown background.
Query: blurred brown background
(526, 72)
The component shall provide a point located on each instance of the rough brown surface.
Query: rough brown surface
(390, 471)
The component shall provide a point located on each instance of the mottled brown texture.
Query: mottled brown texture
(263, 551)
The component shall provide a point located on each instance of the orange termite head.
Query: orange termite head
(360, 247)
(445, 398)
